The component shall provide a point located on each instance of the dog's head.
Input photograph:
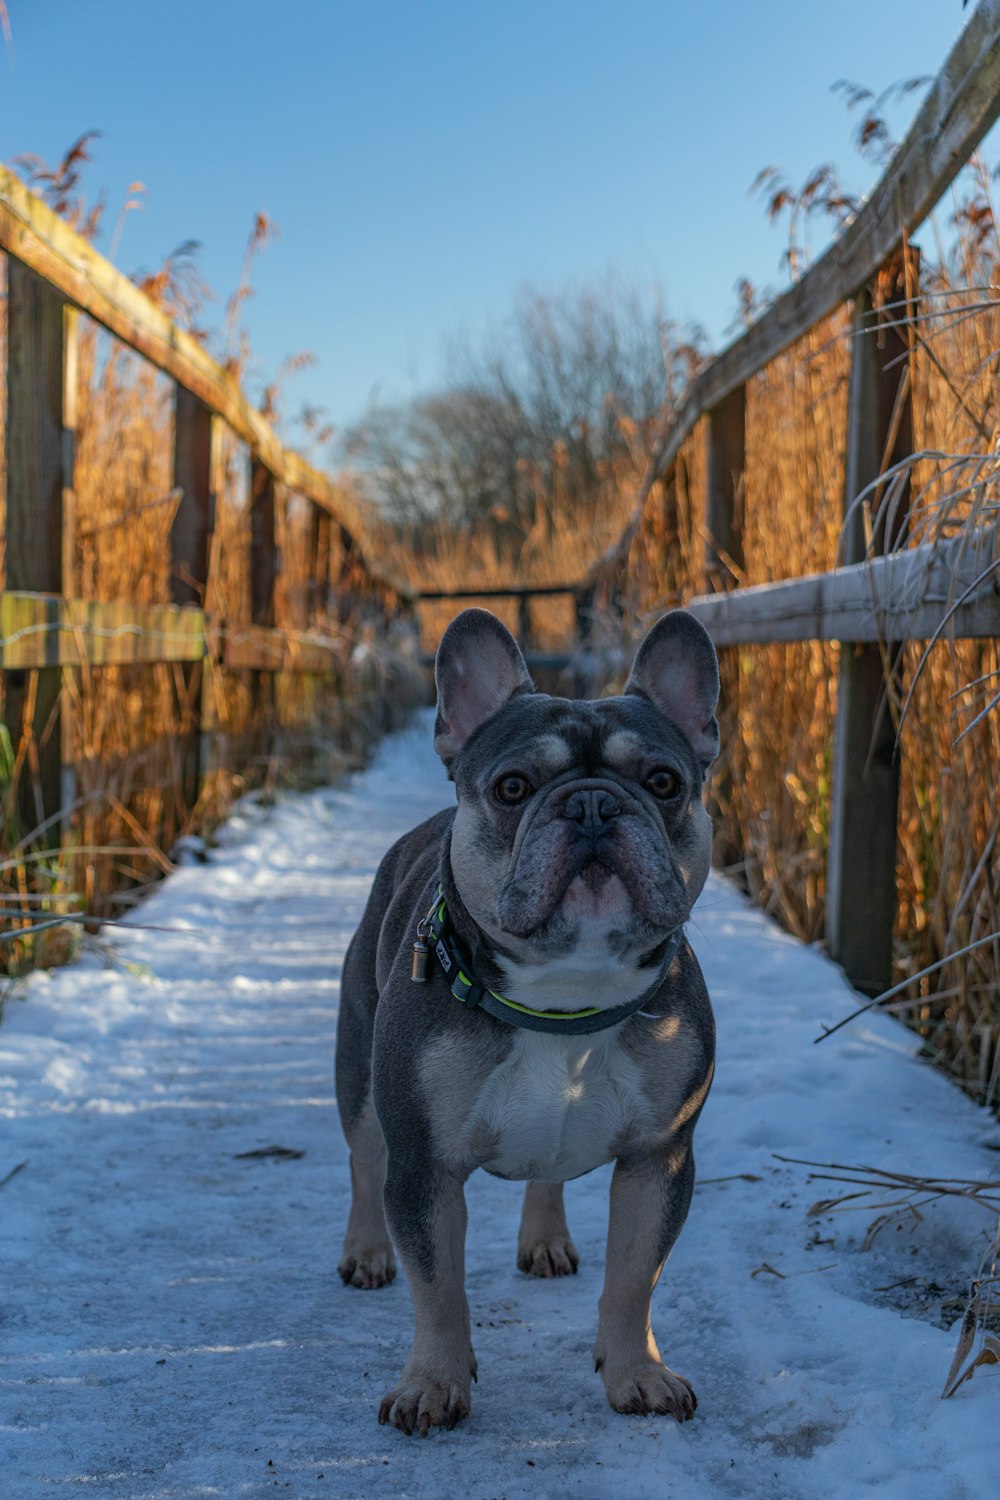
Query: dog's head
(580, 825)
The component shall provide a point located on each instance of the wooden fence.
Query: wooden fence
(884, 594)
(46, 635)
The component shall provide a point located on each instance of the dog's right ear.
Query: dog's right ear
(478, 669)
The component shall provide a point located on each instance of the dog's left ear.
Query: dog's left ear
(478, 669)
(677, 669)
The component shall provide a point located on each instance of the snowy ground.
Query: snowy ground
(171, 1321)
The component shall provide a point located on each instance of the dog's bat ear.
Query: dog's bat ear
(478, 669)
(677, 669)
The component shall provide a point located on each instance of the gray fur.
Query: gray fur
(561, 898)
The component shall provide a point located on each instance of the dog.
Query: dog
(519, 997)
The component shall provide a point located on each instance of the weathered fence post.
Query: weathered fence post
(727, 440)
(723, 564)
(524, 621)
(583, 611)
(344, 587)
(41, 404)
(195, 465)
(671, 529)
(263, 573)
(583, 605)
(320, 536)
(861, 868)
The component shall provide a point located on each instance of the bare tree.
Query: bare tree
(532, 415)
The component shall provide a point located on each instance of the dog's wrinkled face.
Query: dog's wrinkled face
(579, 823)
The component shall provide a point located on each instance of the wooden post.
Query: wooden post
(263, 546)
(344, 590)
(723, 565)
(861, 867)
(583, 605)
(195, 472)
(727, 425)
(671, 532)
(263, 573)
(320, 528)
(194, 519)
(524, 621)
(41, 374)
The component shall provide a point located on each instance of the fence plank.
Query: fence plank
(524, 621)
(39, 630)
(196, 440)
(727, 429)
(542, 590)
(269, 652)
(263, 576)
(904, 596)
(726, 471)
(320, 542)
(263, 547)
(39, 473)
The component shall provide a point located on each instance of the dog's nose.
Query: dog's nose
(592, 809)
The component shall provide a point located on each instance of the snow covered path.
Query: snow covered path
(171, 1321)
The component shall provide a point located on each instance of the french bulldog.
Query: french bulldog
(519, 997)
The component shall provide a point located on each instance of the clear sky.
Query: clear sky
(426, 158)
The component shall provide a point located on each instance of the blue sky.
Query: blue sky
(426, 158)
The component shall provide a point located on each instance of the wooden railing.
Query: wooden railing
(882, 595)
(523, 593)
(53, 274)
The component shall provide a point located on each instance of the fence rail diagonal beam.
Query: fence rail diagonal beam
(34, 235)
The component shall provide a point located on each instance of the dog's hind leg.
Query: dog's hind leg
(544, 1247)
(367, 1260)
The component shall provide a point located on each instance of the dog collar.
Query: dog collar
(435, 936)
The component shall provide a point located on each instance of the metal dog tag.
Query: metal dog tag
(418, 968)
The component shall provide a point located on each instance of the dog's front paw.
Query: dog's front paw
(648, 1387)
(554, 1255)
(422, 1401)
(368, 1268)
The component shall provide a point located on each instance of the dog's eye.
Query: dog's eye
(663, 784)
(512, 789)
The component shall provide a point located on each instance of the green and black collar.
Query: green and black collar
(435, 936)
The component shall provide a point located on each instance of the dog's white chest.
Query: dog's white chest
(557, 1107)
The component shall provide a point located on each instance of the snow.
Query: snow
(171, 1320)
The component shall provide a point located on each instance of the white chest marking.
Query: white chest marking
(557, 1107)
(590, 975)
